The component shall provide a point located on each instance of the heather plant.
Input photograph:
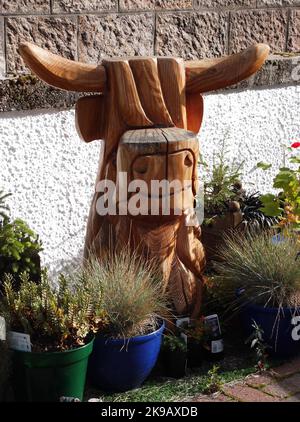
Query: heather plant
(56, 318)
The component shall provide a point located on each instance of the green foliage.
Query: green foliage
(214, 381)
(263, 166)
(267, 272)
(253, 217)
(55, 318)
(4, 209)
(286, 204)
(19, 248)
(132, 293)
(220, 189)
(174, 343)
(257, 343)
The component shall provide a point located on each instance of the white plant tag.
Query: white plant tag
(19, 341)
(2, 329)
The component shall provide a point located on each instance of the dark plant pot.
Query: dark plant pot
(118, 365)
(45, 377)
(194, 354)
(175, 363)
(212, 236)
(279, 336)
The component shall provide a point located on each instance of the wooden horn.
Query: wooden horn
(63, 73)
(212, 74)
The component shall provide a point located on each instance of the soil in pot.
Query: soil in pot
(45, 377)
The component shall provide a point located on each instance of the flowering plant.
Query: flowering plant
(285, 205)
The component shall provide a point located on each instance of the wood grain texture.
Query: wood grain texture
(165, 154)
(172, 78)
(148, 84)
(128, 99)
(194, 111)
(63, 73)
(90, 118)
(212, 74)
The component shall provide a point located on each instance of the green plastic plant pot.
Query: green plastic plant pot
(45, 377)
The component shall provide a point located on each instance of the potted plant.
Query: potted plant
(228, 207)
(59, 322)
(261, 278)
(133, 302)
(19, 247)
(221, 206)
(175, 356)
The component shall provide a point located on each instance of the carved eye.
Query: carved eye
(141, 166)
(188, 161)
(141, 170)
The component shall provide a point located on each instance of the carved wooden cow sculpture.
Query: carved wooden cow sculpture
(148, 112)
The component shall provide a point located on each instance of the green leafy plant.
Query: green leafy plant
(286, 204)
(214, 382)
(253, 217)
(174, 343)
(19, 249)
(266, 272)
(56, 319)
(257, 343)
(133, 298)
(223, 186)
(4, 208)
(19, 246)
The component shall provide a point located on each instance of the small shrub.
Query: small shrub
(174, 343)
(19, 250)
(132, 293)
(266, 272)
(56, 319)
(223, 185)
(214, 382)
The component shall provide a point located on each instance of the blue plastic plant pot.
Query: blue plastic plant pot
(283, 335)
(122, 365)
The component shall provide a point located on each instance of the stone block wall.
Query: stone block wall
(89, 30)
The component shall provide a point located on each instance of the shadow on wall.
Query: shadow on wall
(65, 266)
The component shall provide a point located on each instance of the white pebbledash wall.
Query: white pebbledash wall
(51, 173)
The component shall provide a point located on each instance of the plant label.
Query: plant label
(2, 329)
(19, 341)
